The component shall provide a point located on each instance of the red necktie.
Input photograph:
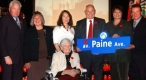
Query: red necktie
(90, 32)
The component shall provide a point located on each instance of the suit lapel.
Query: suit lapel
(137, 26)
(13, 21)
(96, 28)
(84, 25)
(20, 20)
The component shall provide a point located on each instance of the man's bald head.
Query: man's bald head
(90, 11)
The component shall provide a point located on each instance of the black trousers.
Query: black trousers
(137, 69)
(92, 62)
(119, 70)
(12, 72)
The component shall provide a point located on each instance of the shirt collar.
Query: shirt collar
(88, 20)
(137, 20)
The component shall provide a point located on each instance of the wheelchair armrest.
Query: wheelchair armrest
(83, 70)
(48, 71)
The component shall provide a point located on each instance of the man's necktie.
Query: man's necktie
(134, 24)
(90, 32)
(17, 21)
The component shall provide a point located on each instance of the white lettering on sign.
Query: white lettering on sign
(101, 43)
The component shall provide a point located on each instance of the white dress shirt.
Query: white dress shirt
(60, 33)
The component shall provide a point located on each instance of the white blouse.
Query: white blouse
(60, 33)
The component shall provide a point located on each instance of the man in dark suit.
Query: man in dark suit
(137, 70)
(90, 27)
(11, 41)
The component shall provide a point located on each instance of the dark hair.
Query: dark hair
(117, 7)
(136, 6)
(60, 22)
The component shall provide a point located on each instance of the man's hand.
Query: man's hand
(8, 60)
(78, 50)
(131, 47)
(27, 65)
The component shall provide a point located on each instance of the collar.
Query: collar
(137, 20)
(88, 20)
(68, 55)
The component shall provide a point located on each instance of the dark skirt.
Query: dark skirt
(37, 69)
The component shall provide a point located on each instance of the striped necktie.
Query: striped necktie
(18, 23)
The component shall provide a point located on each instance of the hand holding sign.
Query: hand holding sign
(115, 35)
(131, 47)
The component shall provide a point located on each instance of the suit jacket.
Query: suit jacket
(122, 29)
(139, 36)
(11, 38)
(59, 62)
(80, 30)
(31, 43)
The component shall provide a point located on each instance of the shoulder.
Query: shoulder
(110, 22)
(3, 18)
(56, 28)
(82, 20)
(48, 28)
(125, 22)
(143, 20)
(30, 29)
(72, 28)
(57, 54)
(99, 19)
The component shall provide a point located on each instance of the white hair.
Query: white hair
(14, 2)
(65, 40)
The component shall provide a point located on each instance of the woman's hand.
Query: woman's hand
(71, 72)
(78, 49)
(115, 35)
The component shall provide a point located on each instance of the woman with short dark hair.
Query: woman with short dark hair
(119, 61)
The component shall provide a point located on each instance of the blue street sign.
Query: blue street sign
(104, 44)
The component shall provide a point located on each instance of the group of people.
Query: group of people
(39, 47)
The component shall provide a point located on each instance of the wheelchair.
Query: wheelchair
(49, 75)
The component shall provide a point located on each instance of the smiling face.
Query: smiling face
(66, 48)
(136, 13)
(15, 10)
(90, 11)
(37, 20)
(117, 14)
(65, 18)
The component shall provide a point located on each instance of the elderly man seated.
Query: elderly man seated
(66, 63)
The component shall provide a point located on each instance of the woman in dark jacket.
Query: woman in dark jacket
(38, 47)
(119, 61)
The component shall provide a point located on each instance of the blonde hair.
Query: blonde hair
(37, 13)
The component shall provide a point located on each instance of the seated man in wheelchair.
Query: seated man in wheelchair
(66, 63)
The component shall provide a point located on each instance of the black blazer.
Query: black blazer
(31, 43)
(80, 30)
(139, 36)
(11, 38)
